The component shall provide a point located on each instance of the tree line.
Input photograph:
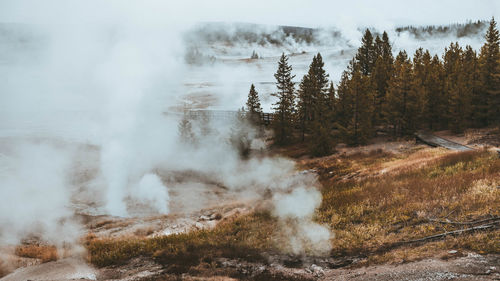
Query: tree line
(378, 92)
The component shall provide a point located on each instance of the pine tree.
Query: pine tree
(305, 103)
(332, 105)
(312, 95)
(377, 45)
(343, 105)
(472, 83)
(359, 126)
(435, 100)
(333, 112)
(386, 49)
(403, 100)
(365, 56)
(254, 108)
(382, 72)
(489, 101)
(424, 78)
(321, 140)
(319, 89)
(320, 75)
(455, 89)
(284, 107)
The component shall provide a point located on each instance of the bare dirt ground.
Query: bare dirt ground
(64, 269)
(469, 267)
(454, 266)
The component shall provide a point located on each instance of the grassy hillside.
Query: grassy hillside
(375, 202)
(398, 198)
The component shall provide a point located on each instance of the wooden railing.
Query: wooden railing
(265, 118)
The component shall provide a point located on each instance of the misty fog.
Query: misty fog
(91, 95)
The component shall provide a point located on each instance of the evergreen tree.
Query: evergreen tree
(365, 56)
(421, 62)
(489, 101)
(321, 139)
(343, 105)
(320, 76)
(312, 95)
(333, 112)
(455, 89)
(254, 109)
(319, 89)
(386, 48)
(284, 107)
(471, 79)
(403, 101)
(305, 102)
(377, 47)
(382, 72)
(435, 100)
(359, 127)
(332, 105)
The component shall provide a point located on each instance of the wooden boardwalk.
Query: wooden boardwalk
(436, 141)
(226, 115)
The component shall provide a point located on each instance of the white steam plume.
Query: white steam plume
(35, 195)
(103, 73)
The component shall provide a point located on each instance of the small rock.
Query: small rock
(317, 270)
(203, 218)
(215, 216)
(452, 252)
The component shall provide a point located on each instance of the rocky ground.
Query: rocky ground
(450, 266)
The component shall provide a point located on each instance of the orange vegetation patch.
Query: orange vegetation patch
(3, 269)
(43, 252)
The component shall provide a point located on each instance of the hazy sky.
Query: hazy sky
(344, 13)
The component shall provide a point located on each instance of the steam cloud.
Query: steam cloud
(84, 97)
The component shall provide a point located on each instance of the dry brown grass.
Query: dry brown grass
(3, 269)
(337, 168)
(243, 237)
(103, 223)
(43, 252)
(392, 202)
(145, 231)
(374, 212)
